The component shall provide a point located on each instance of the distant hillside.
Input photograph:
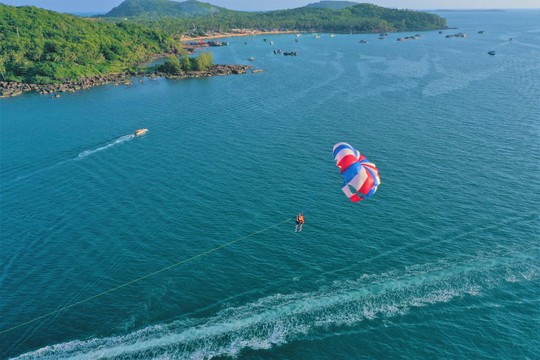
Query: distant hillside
(360, 18)
(356, 19)
(335, 5)
(163, 8)
(40, 46)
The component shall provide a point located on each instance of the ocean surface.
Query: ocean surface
(180, 243)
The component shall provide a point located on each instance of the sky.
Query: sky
(103, 6)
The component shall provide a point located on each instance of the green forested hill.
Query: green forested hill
(157, 8)
(40, 46)
(332, 4)
(357, 18)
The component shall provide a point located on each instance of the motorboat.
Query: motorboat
(140, 132)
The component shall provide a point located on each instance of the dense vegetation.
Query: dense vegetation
(350, 19)
(333, 4)
(358, 18)
(176, 66)
(160, 8)
(40, 46)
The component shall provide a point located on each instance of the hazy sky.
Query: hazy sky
(106, 5)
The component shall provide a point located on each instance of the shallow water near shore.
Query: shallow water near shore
(442, 262)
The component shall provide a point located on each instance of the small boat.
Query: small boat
(140, 132)
(251, 58)
(492, 52)
(332, 35)
(214, 43)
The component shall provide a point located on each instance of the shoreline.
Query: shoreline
(251, 32)
(244, 32)
(11, 88)
(191, 44)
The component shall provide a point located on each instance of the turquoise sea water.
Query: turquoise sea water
(441, 263)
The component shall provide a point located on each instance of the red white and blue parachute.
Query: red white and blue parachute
(361, 176)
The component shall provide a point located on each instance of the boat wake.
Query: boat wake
(281, 318)
(120, 140)
(81, 155)
(31, 174)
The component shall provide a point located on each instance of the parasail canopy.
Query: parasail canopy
(361, 176)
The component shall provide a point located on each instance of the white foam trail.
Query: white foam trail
(82, 155)
(120, 140)
(36, 172)
(281, 318)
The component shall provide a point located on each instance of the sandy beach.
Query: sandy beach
(244, 32)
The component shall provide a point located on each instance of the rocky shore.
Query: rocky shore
(9, 89)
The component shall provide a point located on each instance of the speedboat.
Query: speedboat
(140, 132)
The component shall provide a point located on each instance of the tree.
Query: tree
(185, 63)
(203, 61)
(170, 66)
